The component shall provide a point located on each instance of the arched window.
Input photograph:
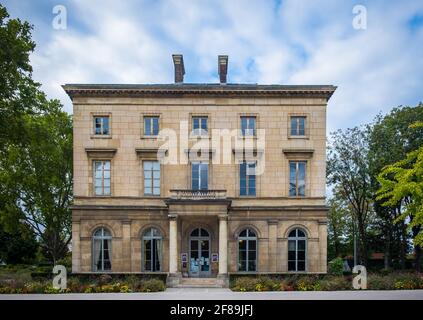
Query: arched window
(152, 249)
(102, 246)
(297, 250)
(247, 250)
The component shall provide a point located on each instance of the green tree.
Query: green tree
(36, 180)
(348, 172)
(19, 94)
(402, 183)
(339, 228)
(389, 141)
(35, 146)
(17, 245)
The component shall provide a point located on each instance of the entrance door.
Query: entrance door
(199, 253)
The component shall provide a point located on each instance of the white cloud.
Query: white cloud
(302, 42)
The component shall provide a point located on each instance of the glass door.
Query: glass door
(199, 253)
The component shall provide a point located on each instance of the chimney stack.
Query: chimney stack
(178, 61)
(223, 68)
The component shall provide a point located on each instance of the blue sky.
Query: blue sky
(278, 42)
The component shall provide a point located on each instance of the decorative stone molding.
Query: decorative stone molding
(101, 152)
(249, 90)
(188, 194)
(298, 153)
(150, 153)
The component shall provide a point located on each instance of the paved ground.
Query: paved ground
(226, 294)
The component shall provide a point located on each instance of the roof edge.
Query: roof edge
(163, 90)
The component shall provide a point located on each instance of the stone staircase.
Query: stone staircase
(200, 283)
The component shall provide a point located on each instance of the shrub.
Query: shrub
(408, 281)
(50, 289)
(245, 284)
(104, 279)
(380, 282)
(336, 266)
(34, 287)
(307, 283)
(334, 283)
(152, 285)
(133, 282)
(74, 285)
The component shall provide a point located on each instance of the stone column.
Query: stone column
(126, 245)
(76, 247)
(173, 244)
(273, 242)
(223, 245)
(323, 245)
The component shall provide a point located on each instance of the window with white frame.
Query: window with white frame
(101, 250)
(248, 126)
(151, 125)
(297, 248)
(152, 250)
(247, 179)
(151, 178)
(199, 126)
(298, 125)
(102, 177)
(199, 176)
(247, 250)
(297, 178)
(101, 125)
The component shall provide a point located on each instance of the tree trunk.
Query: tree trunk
(417, 250)
(418, 258)
(363, 243)
(403, 245)
(387, 255)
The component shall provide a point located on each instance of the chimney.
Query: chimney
(178, 61)
(223, 68)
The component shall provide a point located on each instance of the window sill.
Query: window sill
(299, 137)
(195, 137)
(101, 136)
(149, 137)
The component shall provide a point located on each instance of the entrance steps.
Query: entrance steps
(200, 283)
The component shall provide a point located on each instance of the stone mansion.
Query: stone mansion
(148, 199)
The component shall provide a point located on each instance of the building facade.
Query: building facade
(199, 180)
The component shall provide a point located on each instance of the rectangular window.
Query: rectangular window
(199, 126)
(102, 178)
(247, 179)
(151, 126)
(199, 175)
(101, 125)
(151, 178)
(298, 126)
(248, 126)
(297, 171)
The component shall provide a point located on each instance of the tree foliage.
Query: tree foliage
(402, 182)
(35, 147)
(348, 172)
(19, 94)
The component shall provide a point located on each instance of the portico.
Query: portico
(198, 234)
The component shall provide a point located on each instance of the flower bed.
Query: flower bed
(392, 281)
(100, 284)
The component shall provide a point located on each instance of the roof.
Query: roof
(214, 89)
